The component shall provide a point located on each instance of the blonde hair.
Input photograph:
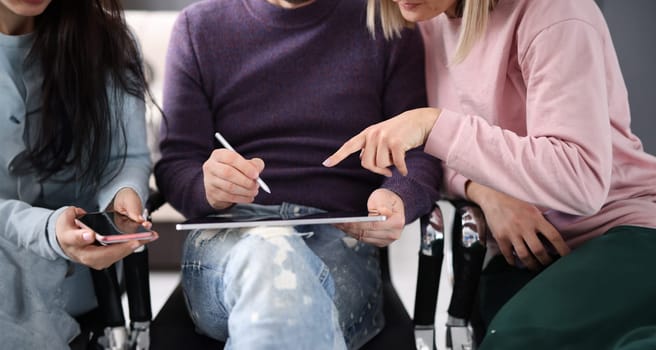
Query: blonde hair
(475, 14)
(390, 18)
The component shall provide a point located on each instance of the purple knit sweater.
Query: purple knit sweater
(290, 87)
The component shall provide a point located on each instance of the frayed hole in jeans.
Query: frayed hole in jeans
(305, 234)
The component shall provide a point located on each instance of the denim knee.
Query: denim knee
(264, 276)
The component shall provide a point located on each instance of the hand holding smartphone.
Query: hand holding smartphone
(112, 227)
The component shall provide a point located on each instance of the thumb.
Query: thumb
(85, 237)
(258, 163)
(80, 237)
(382, 210)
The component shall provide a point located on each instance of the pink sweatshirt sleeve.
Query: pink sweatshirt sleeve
(565, 160)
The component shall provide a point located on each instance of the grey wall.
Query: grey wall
(634, 34)
(633, 28)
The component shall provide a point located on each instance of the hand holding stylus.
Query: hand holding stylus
(229, 178)
(225, 144)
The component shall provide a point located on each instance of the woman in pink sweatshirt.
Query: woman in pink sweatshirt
(530, 116)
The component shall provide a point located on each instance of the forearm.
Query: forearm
(30, 227)
(524, 167)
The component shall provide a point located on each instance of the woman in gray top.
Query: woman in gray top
(72, 139)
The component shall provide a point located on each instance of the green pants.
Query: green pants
(600, 296)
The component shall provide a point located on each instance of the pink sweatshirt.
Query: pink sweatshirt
(539, 110)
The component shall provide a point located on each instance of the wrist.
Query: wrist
(474, 192)
(429, 117)
(54, 227)
(110, 205)
(123, 190)
(467, 190)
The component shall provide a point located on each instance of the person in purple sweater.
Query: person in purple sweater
(286, 83)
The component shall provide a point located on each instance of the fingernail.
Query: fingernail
(327, 163)
(86, 236)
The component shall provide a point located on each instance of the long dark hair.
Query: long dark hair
(88, 60)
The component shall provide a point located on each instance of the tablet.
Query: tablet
(228, 220)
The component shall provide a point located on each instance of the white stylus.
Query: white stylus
(225, 144)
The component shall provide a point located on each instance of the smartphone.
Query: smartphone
(113, 227)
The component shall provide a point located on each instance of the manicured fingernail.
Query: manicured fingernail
(327, 163)
(86, 236)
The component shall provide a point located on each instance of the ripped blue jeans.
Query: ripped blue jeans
(302, 287)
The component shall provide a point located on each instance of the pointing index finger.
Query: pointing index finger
(351, 146)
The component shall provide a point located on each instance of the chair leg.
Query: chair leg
(469, 249)
(108, 295)
(135, 268)
(431, 255)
